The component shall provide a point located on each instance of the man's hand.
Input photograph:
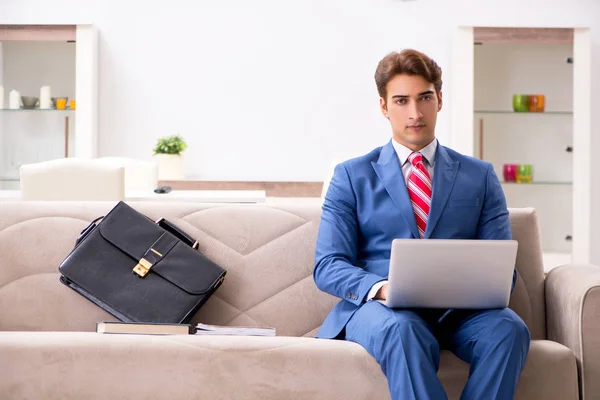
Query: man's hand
(382, 293)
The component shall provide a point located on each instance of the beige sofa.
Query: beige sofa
(48, 349)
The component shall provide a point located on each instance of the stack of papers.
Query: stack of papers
(204, 329)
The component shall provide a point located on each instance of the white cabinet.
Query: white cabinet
(541, 139)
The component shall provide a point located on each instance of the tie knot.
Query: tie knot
(415, 158)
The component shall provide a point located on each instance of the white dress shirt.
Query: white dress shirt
(403, 152)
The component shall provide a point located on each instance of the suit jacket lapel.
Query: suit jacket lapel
(389, 171)
(444, 174)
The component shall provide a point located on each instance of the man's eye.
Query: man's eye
(427, 98)
(401, 101)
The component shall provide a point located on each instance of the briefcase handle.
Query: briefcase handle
(87, 230)
(163, 223)
(178, 233)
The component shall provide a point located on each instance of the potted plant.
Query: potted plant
(170, 159)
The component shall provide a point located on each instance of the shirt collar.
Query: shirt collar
(428, 152)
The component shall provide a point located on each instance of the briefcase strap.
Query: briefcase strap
(181, 235)
(83, 234)
(154, 254)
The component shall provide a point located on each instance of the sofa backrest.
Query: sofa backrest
(268, 251)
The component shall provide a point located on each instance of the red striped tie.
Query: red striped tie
(419, 191)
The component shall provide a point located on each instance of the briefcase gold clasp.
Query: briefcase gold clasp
(142, 267)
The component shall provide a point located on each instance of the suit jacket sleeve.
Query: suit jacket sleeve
(494, 222)
(335, 269)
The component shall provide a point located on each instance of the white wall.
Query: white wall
(268, 90)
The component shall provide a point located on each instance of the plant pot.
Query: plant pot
(170, 167)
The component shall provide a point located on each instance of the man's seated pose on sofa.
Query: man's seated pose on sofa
(413, 187)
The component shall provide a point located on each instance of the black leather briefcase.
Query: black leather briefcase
(139, 270)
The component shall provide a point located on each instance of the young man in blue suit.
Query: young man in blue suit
(413, 187)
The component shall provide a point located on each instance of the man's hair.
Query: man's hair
(409, 62)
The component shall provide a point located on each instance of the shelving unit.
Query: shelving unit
(489, 65)
(35, 109)
(530, 114)
(538, 183)
(32, 135)
(8, 183)
(542, 139)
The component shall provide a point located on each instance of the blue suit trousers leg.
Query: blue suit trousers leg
(405, 347)
(495, 343)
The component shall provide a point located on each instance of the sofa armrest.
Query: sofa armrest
(573, 319)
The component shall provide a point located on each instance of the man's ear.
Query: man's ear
(440, 101)
(383, 107)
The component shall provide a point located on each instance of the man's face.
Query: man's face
(411, 106)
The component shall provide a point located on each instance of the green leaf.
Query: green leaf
(173, 144)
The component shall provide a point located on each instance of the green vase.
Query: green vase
(525, 173)
(520, 103)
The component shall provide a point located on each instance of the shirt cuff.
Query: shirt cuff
(374, 289)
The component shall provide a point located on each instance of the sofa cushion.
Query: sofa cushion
(126, 367)
(191, 367)
(268, 251)
(550, 373)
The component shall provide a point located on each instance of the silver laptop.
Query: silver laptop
(448, 273)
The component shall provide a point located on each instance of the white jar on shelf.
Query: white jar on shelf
(14, 100)
(45, 97)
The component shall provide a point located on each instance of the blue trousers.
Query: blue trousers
(406, 344)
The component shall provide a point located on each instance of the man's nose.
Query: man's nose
(415, 112)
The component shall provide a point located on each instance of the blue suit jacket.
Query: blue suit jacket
(367, 206)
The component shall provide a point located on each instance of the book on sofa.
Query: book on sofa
(144, 328)
(156, 328)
